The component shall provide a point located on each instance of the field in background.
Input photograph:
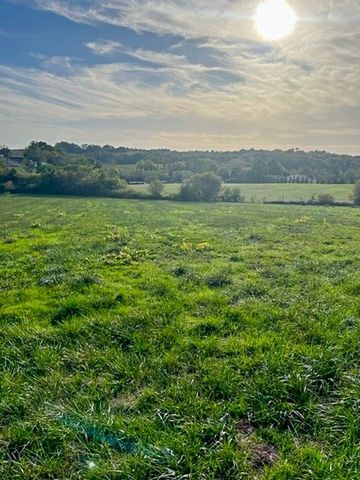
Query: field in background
(256, 193)
(149, 340)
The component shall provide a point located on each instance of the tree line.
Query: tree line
(69, 169)
(243, 166)
(46, 169)
(49, 170)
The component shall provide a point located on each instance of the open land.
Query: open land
(257, 193)
(163, 340)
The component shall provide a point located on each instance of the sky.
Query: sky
(179, 74)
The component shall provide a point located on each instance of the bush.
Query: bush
(204, 187)
(232, 195)
(356, 193)
(156, 188)
(8, 186)
(326, 199)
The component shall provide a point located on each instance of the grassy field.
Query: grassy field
(160, 340)
(256, 193)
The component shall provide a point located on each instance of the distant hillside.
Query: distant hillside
(243, 166)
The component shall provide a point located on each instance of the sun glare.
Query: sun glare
(275, 19)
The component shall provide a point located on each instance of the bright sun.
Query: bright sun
(275, 19)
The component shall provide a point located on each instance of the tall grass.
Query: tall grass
(147, 340)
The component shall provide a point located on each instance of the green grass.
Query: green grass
(257, 193)
(160, 340)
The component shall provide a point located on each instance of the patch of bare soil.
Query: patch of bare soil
(260, 454)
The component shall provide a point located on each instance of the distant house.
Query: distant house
(291, 179)
(18, 155)
(299, 179)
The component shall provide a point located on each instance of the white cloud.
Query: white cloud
(104, 47)
(222, 19)
(272, 107)
(297, 92)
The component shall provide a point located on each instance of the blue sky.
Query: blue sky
(179, 74)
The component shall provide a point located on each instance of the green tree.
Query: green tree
(5, 151)
(356, 193)
(41, 152)
(156, 188)
(203, 187)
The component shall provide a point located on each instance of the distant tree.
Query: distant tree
(224, 172)
(147, 165)
(202, 165)
(356, 193)
(41, 152)
(156, 188)
(275, 169)
(72, 148)
(5, 151)
(203, 187)
(350, 176)
(260, 171)
(231, 194)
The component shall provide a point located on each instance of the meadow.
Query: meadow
(163, 340)
(273, 192)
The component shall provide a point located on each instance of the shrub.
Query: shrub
(156, 188)
(204, 187)
(326, 199)
(231, 195)
(356, 193)
(9, 186)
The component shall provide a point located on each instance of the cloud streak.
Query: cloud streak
(104, 47)
(299, 92)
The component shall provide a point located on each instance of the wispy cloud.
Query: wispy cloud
(104, 47)
(302, 91)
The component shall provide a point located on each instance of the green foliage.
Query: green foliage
(49, 170)
(45, 164)
(201, 187)
(148, 340)
(244, 166)
(40, 152)
(325, 199)
(256, 193)
(356, 193)
(156, 187)
(231, 195)
(5, 151)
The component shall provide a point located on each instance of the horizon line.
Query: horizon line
(319, 149)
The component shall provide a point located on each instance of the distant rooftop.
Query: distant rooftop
(19, 153)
